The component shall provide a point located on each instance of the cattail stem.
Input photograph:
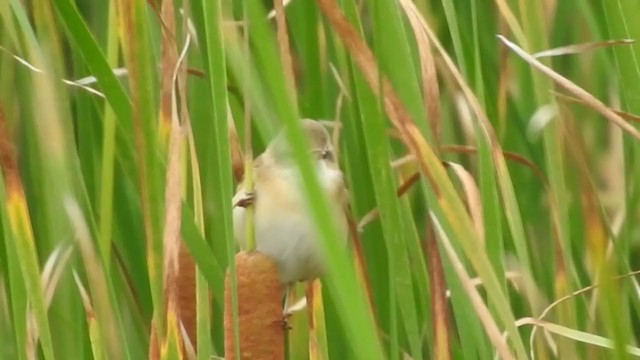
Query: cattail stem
(248, 160)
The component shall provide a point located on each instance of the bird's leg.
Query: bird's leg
(288, 308)
(285, 313)
(297, 306)
(287, 289)
(247, 200)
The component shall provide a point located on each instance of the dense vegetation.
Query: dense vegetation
(490, 149)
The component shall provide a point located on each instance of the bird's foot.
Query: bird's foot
(290, 310)
(284, 322)
(247, 200)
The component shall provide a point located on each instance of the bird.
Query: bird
(283, 225)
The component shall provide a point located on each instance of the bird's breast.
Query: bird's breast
(284, 228)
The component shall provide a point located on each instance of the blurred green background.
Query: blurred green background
(537, 200)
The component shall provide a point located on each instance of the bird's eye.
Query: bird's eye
(326, 155)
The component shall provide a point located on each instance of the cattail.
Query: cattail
(260, 317)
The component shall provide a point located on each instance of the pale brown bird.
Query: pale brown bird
(284, 228)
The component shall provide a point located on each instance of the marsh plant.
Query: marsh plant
(488, 152)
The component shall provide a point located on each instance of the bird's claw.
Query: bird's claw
(284, 322)
(247, 200)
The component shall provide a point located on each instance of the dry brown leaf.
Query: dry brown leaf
(472, 194)
(186, 294)
(438, 295)
(171, 240)
(82, 83)
(337, 124)
(491, 328)
(464, 149)
(402, 189)
(623, 114)
(84, 296)
(169, 57)
(563, 299)
(461, 149)
(366, 62)
(401, 120)
(186, 289)
(173, 277)
(283, 45)
(589, 100)
(430, 89)
(485, 127)
(8, 159)
(580, 48)
(503, 81)
(509, 275)
(582, 291)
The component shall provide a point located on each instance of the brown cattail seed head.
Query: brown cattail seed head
(260, 316)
